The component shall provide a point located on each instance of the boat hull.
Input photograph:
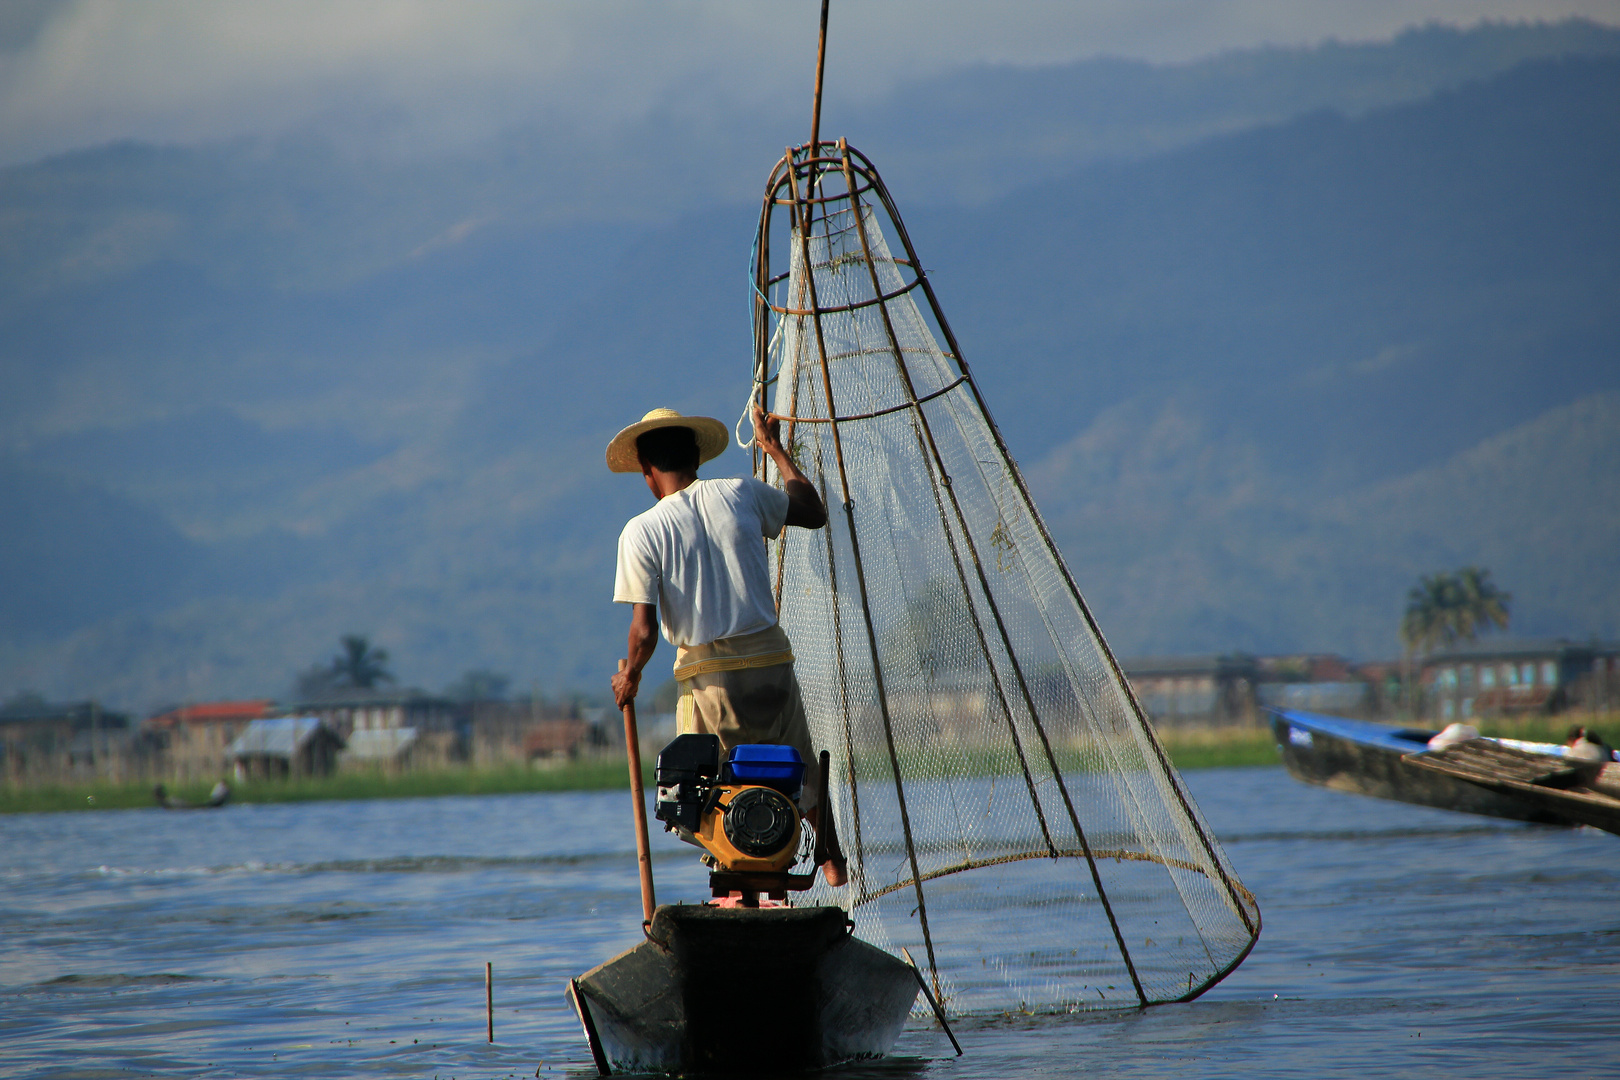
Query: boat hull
(1366, 758)
(743, 990)
(1585, 791)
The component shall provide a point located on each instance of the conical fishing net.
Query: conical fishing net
(1009, 815)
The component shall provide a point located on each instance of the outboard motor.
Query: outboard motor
(743, 812)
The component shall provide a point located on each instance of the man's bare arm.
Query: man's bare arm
(639, 649)
(805, 508)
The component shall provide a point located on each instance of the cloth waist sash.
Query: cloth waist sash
(763, 648)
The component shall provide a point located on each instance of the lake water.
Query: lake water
(349, 940)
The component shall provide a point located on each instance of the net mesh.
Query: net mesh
(1008, 814)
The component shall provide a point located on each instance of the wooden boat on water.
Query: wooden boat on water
(744, 990)
(1504, 778)
(218, 797)
(748, 985)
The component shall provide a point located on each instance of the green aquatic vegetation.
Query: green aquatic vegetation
(591, 774)
(1197, 748)
(1220, 748)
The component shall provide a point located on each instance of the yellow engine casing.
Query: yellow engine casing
(711, 836)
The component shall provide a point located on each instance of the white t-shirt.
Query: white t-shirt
(700, 556)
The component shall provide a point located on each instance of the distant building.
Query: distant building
(1386, 681)
(1304, 668)
(441, 728)
(1493, 678)
(1352, 697)
(1195, 691)
(391, 747)
(63, 739)
(285, 746)
(653, 730)
(197, 737)
(1315, 682)
(1601, 691)
(505, 731)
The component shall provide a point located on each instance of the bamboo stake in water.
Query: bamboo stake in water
(489, 998)
(632, 747)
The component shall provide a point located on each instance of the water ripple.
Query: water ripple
(349, 940)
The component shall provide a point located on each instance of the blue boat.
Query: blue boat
(1501, 778)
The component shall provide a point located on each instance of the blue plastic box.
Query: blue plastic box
(779, 767)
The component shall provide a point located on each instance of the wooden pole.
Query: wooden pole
(821, 63)
(632, 748)
(489, 998)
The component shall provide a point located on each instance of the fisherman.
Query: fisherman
(1584, 744)
(696, 565)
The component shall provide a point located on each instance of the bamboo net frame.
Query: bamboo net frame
(893, 427)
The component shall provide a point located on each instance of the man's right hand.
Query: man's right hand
(625, 685)
(639, 646)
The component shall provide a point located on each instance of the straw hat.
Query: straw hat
(712, 438)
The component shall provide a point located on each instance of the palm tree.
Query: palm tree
(1483, 604)
(1443, 609)
(359, 665)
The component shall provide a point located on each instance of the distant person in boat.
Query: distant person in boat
(218, 797)
(1587, 745)
(698, 560)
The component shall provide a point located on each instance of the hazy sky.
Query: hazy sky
(417, 76)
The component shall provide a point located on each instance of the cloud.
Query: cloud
(419, 76)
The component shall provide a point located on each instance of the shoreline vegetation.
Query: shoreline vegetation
(1189, 748)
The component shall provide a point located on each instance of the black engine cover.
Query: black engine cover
(687, 768)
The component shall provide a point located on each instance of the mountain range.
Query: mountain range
(1272, 333)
